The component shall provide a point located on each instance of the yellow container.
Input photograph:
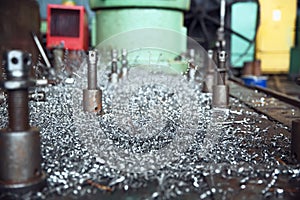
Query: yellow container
(276, 34)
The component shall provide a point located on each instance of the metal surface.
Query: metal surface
(274, 104)
(220, 96)
(246, 163)
(281, 96)
(18, 110)
(220, 43)
(20, 166)
(296, 139)
(234, 153)
(92, 96)
(92, 100)
(17, 67)
(250, 158)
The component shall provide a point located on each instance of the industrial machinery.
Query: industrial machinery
(160, 138)
(279, 16)
(148, 114)
(67, 27)
(92, 96)
(245, 21)
(20, 166)
(16, 33)
(220, 90)
(118, 17)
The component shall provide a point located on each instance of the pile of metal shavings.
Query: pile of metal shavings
(223, 154)
(137, 137)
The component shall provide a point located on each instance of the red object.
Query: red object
(67, 25)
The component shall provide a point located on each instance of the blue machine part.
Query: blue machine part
(255, 81)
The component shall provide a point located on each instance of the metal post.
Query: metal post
(221, 76)
(221, 31)
(20, 166)
(92, 70)
(220, 96)
(92, 96)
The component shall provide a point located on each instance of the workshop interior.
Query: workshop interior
(150, 99)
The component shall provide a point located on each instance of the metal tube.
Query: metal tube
(92, 70)
(220, 96)
(20, 158)
(18, 110)
(222, 13)
(92, 96)
(296, 139)
(41, 50)
(221, 68)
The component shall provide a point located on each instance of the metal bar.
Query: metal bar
(42, 52)
(92, 70)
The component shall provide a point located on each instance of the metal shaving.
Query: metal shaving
(158, 133)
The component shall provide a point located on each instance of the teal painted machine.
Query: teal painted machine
(243, 21)
(140, 25)
(117, 16)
